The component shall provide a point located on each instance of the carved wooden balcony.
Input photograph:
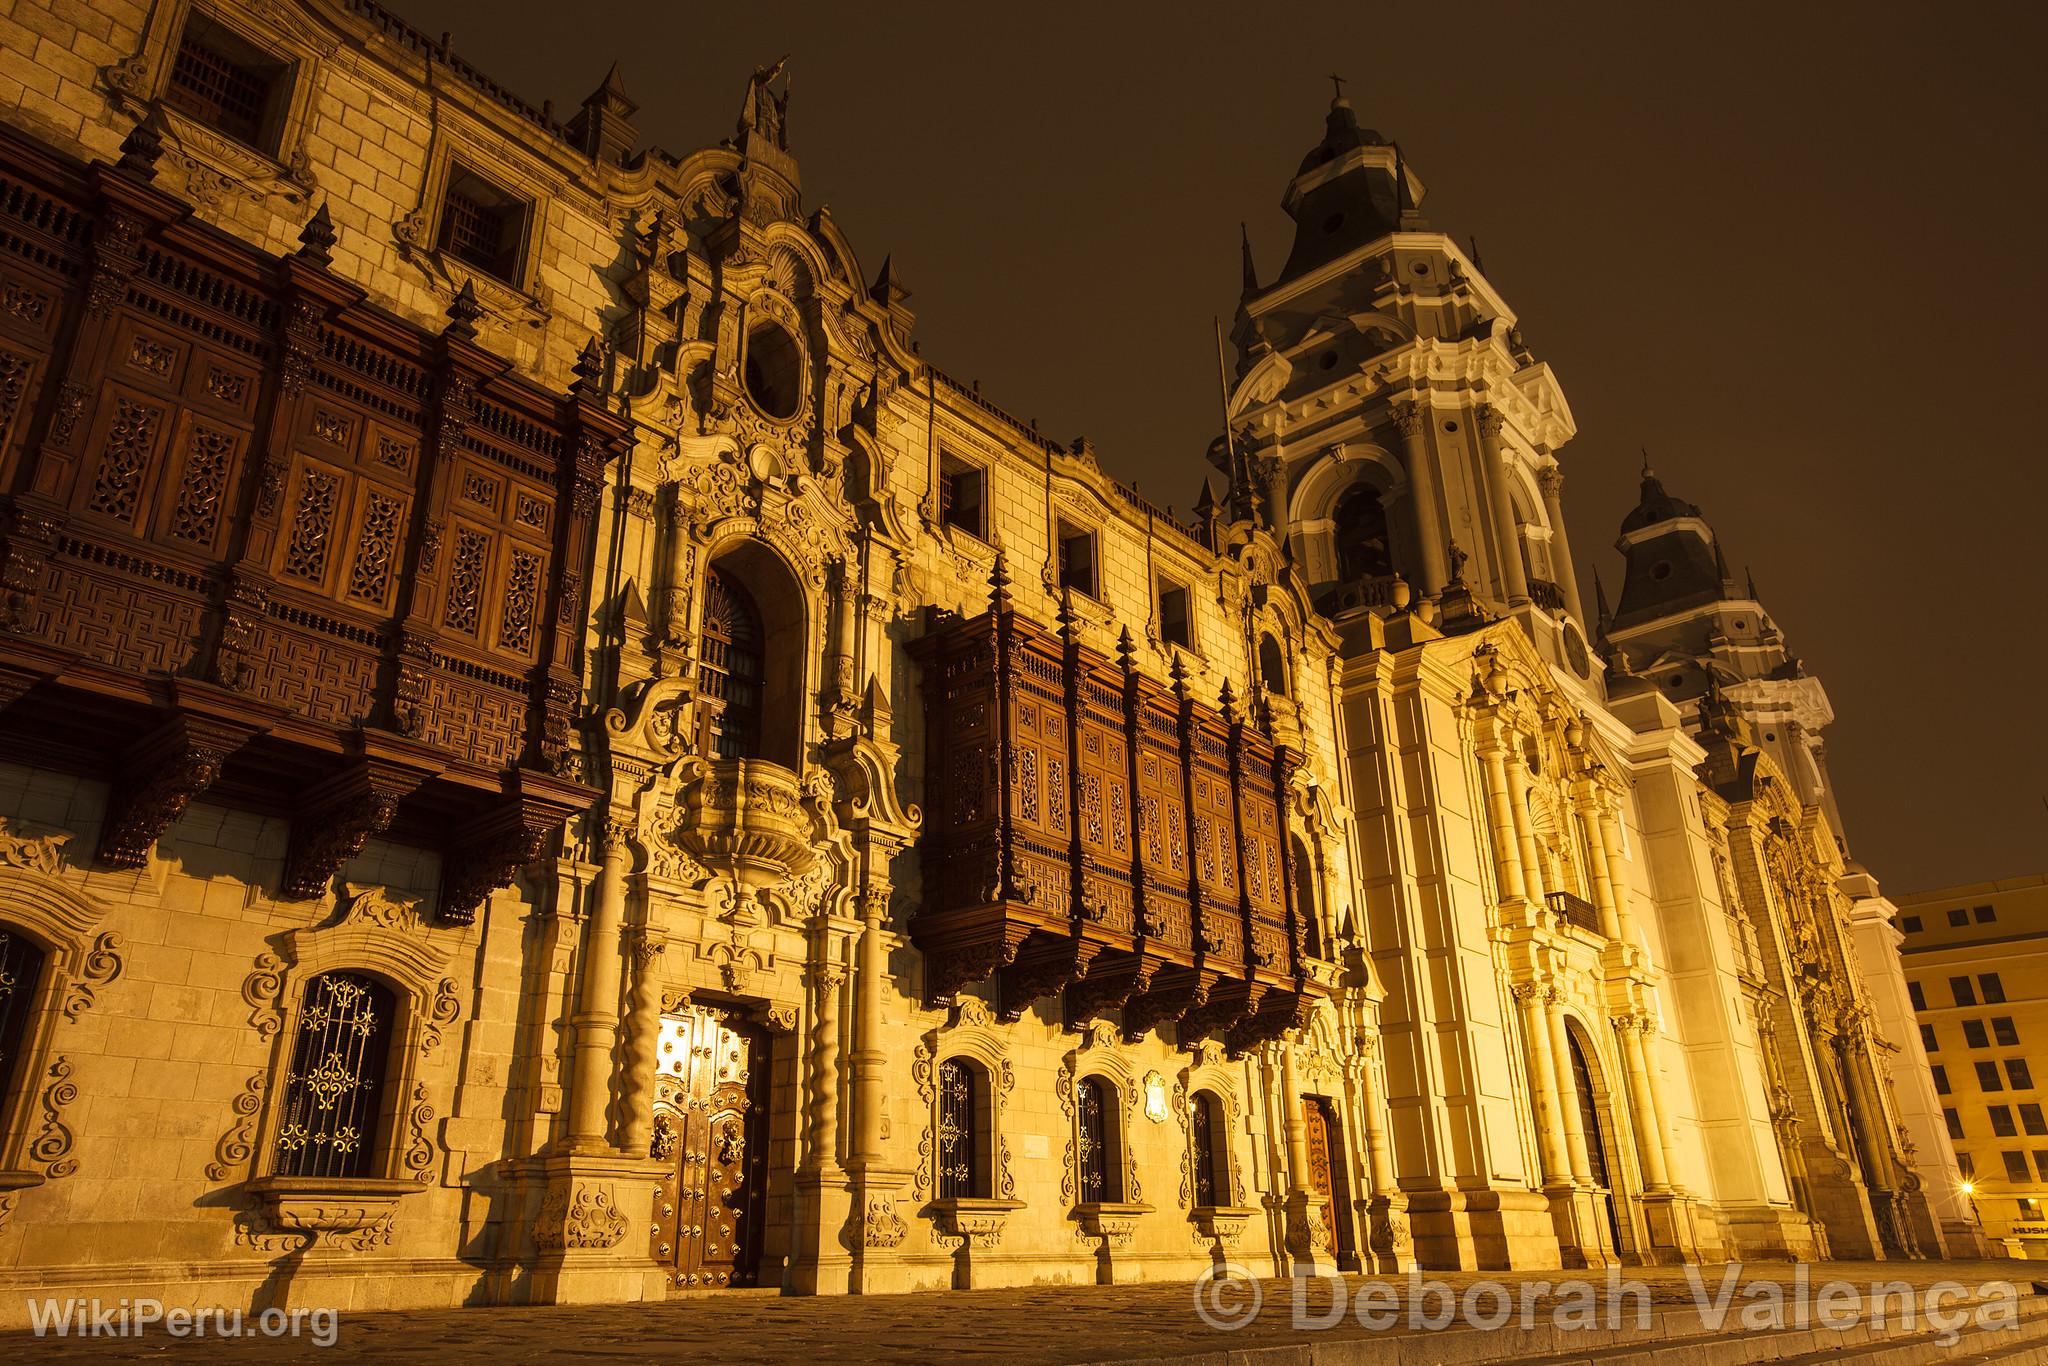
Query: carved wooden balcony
(744, 819)
(1572, 909)
(262, 540)
(1101, 835)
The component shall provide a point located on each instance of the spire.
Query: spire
(463, 313)
(887, 288)
(316, 239)
(1750, 576)
(1251, 271)
(1601, 613)
(603, 128)
(1721, 566)
(999, 583)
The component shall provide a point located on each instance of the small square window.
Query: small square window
(1959, 917)
(2017, 1073)
(1993, 989)
(1077, 559)
(229, 84)
(1974, 1035)
(963, 501)
(1988, 1079)
(2031, 1120)
(1927, 1038)
(1173, 615)
(1910, 924)
(1919, 996)
(2015, 1166)
(1955, 1123)
(1940, 1080)
(1960, 986)
(1985, 915)
(2002, 1030)
(2001, 1121)
(483, 225)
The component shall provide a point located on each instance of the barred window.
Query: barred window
(1212, 1166)
(334, 1091)
(228, 84)
(963, 1163)
(961, 502)
(730, 670)
(1077, 559)
(483, 225)
(1101, 1172)
(21, 970)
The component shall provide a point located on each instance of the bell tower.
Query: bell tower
(1388, 425)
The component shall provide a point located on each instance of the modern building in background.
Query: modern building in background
(1976, 959)
(548, 753)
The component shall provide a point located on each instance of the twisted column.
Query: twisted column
(824, 1076)
(643, 1044)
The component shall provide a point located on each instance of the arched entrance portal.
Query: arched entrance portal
(1591, 1120)
(710, 1127)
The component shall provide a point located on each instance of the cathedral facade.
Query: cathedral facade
(548, 754)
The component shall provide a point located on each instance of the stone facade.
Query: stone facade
(1489, 955)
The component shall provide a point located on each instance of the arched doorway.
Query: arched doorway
(711, 1131)
(1602, 1159)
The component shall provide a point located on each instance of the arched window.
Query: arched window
(21, 970)
(729, 675)
(333, 1099)
(1099, 1143)
(1210, 1137)
(1363, 548)
(963, 1149)
(1272, 666)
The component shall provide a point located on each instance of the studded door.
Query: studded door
(710, 1125)
(1326, 1174)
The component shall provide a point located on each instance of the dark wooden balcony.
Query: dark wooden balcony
(262, 540)
(1099, 834)
(1571, 909)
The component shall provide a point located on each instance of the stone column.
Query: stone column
(1388, 1206)
(1413, 420)
(1649, 1125)
(868, 1057)
(1308, 1232)
(1525, 837)
(1514, 582)
(1586, 809)
(1550, 479)
(1506, 859)
(823, 1154)
(1567, 1089)
(597, 1020)
(1543, 1076)
(643, 1044)
(1610, 840)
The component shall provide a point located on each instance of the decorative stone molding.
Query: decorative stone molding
(238, 1144)
(876, 1224)
(975, 1223)
(1109, 1225)
(36, 848)
(971, 1034)
(51, 1147)
(586, 1218)
(1220, 1226)
(351, 1215)
(100, 966)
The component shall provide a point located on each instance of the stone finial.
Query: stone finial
(1126, 650)
(589, 372)
(463, 313)
(1069, 620)
(143, 146)
(1228, 699)
(999, 583)
(316, 239)
(888, 286)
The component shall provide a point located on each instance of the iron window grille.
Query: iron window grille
(334, 1092)
(963, 1169)
(21, 971)
(228, 84)
(483, 225)
(729, 671)
(1209, 1167)
(1101, 1178)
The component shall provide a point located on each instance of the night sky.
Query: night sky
(1796, 254)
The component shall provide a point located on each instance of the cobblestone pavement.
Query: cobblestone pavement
(1043, 1324)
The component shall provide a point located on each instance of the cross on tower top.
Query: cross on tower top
(1338, 82)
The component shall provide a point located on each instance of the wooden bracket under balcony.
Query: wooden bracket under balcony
(490, 849)
(338, 816)
(161, 774)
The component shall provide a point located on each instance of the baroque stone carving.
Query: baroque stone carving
(238, 1144)
(588, 1218)
(37, 848)
(100, 966)
(51, 1147)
